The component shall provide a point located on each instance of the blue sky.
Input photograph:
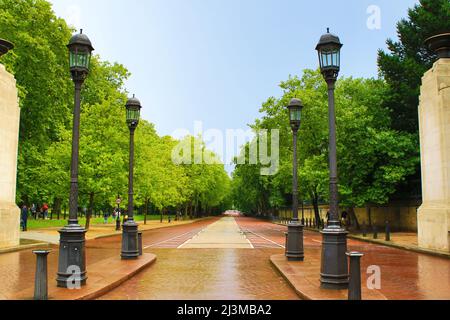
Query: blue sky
(216, 61)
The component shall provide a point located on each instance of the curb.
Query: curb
(300, 294)
(402, 247)
(101, 292)
(24, 247)
(118, 233)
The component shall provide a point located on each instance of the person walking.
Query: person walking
(34, 211)
(24, 218)
(45, 211)
(105, 217)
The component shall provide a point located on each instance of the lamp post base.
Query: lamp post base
(334, 274)
(294, 245)
(72, 257)
(130, 247)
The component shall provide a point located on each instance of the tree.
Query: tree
(39, 63)
(373, 158)
(408, 59)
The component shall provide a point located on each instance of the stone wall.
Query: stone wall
(9, 136)
(402, 216)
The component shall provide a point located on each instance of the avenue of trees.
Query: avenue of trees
(39, 62)
(377, 121)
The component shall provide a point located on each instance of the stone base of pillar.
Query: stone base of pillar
(72, 257)
(294, 245)
(334, 273)
(130, 247)
(434, 227)
(9, 225)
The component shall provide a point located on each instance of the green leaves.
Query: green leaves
(372, 158)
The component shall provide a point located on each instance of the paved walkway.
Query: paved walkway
(223, 234)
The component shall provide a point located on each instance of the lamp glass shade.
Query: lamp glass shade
(330, 58)
(295, 114)
(79, 58)
(133, 114)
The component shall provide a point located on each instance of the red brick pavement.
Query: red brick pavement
(406, 275)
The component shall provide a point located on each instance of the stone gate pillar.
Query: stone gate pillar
(434, 117)
(9, 139)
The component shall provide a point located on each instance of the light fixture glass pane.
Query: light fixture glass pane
(82, 59)
(324, 59)
(295, 114)
(335, 59)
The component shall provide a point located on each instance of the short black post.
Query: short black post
(375, 232)
(388, 231)
(354, 288)
(118, 228)
(140, 242)
(286, 243)
(364, 229)
(41, 277)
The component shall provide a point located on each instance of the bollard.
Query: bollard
(286, 246)
(388, 231)
(354, 287)
(41, 278)
(375, 232)
(364, 229)
(140, 242)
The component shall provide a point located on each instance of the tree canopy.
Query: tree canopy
(39, 62)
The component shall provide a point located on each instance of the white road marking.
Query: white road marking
(181, 235)
(258, 235)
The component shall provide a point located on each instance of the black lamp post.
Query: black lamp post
(72, 237)
(118, 201)
(130, 248)
(334, 273)
(294, 246)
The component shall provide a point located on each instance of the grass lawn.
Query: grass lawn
(40, 224)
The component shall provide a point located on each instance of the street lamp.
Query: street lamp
(294, 246)
(72, 252)
(334, 272)
(130, 249)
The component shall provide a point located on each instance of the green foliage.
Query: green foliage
(372, 158)
(408, 59)
(39, 62)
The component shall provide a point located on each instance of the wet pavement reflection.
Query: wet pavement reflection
(208, 274)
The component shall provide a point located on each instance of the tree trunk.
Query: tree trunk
(90, 209)
(315, 201)
(195, 209)
(57, 207)
(369, 215)
(354, 218)
(146, 211)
